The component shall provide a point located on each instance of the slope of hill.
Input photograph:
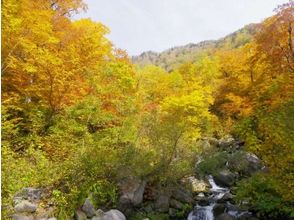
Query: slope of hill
(173, 57)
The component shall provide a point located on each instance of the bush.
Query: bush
(260, 193)
(212, 164)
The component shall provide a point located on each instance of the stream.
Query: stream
(206, 212)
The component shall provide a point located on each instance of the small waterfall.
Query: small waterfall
(206, 212)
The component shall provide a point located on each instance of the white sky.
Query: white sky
(141, 25)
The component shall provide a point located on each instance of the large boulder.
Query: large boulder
(218, 209)
(30, 193)
(88, 208)
(131, 190)
(196, 185)
(224, 178)
(226, 197)
(245, 163)
(254, 164)
(113, 214)
(183, 195)
(25, 206)
(225, 216)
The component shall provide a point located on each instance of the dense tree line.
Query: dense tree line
(76, 112)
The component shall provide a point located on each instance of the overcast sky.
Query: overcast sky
(141, 25)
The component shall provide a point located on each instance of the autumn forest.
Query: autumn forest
(201, 132)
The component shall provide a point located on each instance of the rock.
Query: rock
(218, 209)
(162, 203)
(25, 206)
(175, 204)
(234, 208)
(226, 197)
(200, 195)
(113, 214)
(226, 142)
(52, 218)
(196, 185)
(80, 215)
(225, 216)
(244, 215)
(203, 202)
(96, 218)
(31, 194)
(254, 164)
(88, 208)
(99, 213)
(224, 178)
(132, 190)
(182, 195)
(245, 163)
(22, 217)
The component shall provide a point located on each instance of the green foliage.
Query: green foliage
(104, 194)
(182, 213)
(260, 192)
(212, 164)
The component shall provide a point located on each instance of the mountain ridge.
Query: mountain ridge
(171, 58)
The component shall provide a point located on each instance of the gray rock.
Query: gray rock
(182, 195)
(22, 217)
(31, 194)
(203, 201)
(96, 218)
(254, 164)
(132, 190)
(218, 209)
(99, 212)
(244, 215)
(225, 216)
(80, 215)
(25, 206)
(175, 204)
(113, 214)
(88, 208)
(162, 203)
(226, 197)
(225, 178)
(226, 142)
(245, 163)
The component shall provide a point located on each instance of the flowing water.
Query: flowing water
(206, 212)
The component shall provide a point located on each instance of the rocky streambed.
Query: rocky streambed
(200, 197)
(216, 205)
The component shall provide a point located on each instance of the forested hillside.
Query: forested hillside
(81, 121)
(172, 58)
